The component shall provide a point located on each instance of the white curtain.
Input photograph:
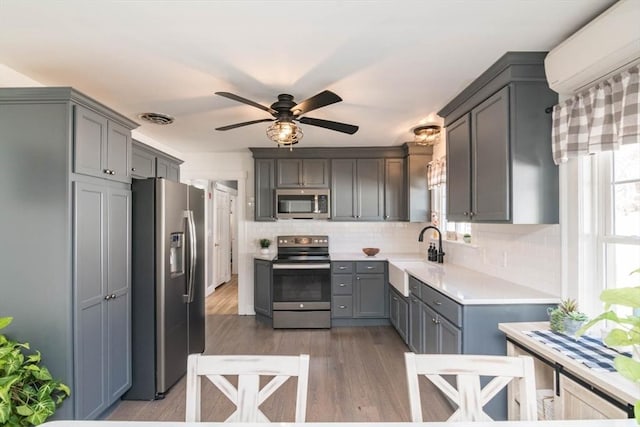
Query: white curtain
(436, 173)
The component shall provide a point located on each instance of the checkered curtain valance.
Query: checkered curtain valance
(599, 119)
(436, 173)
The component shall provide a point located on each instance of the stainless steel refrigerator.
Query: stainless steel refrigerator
(167, 284)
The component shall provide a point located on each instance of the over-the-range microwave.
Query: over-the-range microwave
(307, 203)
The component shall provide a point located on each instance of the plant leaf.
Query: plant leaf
(24, 410)
(628, 297)
(636, 409)
(620, 337)
(5, 412)
(627, 367)
(5, 321)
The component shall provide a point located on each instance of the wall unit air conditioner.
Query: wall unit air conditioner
(606, 45)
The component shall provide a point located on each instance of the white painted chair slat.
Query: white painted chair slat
(247, 397)
(225, 387)
(469, 395)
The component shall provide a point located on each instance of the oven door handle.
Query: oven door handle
(301, 266)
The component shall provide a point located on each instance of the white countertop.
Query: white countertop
(564, 423)
(471, 287)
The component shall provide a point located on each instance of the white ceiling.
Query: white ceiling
(393, 62)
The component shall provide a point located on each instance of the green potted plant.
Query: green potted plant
(466, 237)
(28, 393)
(264, 246)
(566, 317)
(625, 333)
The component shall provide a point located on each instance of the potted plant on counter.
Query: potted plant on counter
(566, 318)
(466, 238)
(28, 393)
(264, 246)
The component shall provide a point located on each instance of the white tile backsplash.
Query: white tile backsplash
(345, 236)
(525, 254)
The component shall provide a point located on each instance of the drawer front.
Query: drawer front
(342, 284)
(442, 304)
(370, 267)
(342, 267)
(415, 287)
(342, 306)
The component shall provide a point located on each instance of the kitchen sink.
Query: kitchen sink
(398, 277)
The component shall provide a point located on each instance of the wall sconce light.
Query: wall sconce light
(427, 134)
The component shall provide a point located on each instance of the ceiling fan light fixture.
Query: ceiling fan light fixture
(284, 132)
(427, 134)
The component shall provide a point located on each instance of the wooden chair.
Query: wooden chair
(467, 369)
(247, 397)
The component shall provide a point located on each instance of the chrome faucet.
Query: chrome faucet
(440, 254)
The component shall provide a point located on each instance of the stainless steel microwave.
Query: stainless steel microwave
(308, 203)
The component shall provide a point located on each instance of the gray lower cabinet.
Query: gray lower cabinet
(102, 148)
(264, 190)
(440, 325)
(147, 162)
(103, 313)
(297, 173)
(399, 313)
(499, 165)
(74, 306)
(357, 189)
(359, 291)
(262, 274)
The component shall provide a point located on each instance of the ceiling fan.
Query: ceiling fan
(285, 111)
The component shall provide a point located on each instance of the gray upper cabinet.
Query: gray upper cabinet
(75, 307)
(499, 164)
(143, 163)
(296, 173)
(102, 148)
(264, 190)
(357, 189)
(147, 162)
(395, 190)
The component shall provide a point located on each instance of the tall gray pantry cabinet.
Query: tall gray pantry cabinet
(66, 221)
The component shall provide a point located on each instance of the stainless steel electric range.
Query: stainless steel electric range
(302, 283)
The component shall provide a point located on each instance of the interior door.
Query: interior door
(222, 238)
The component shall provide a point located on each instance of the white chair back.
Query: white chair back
(248, 396)
(467, 369)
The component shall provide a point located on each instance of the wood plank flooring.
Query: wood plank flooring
(356, 374)
(224, 300)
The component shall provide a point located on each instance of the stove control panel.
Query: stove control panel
(303, 241)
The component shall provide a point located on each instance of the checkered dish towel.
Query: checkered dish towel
(588, 350)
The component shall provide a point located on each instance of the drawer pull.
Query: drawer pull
(370, 268)
(343, 306)
(342, 267)
(395, 298)
(436, 302)
(342, 285)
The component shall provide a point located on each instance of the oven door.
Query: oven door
(301, 286)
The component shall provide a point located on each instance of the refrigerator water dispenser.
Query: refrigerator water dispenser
(176, 254)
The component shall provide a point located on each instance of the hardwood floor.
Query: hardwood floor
(355, 374)
(224, 300)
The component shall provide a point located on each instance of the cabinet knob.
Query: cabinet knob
(436, 302)
(395, 298)
(386, 217)
(113, 296)
(465, 213)
(107, 298)
(133, 169)
(472, 213)
(343, 306)
(107, 171)
(357, 277)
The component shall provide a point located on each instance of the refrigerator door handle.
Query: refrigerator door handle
(191, 225)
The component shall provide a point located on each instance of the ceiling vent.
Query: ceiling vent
(157, 118)
(608, 44)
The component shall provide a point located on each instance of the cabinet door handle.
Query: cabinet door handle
(370, 268)
(357, 277)
(386, 217)
(342, 285)
(465, 213)
(395, 298)
(343, 306)
(133, 169)
(436, 302)
(113, 172)
(342, 267)
(433, 320)
(107, 298)
(107, 171)
(472, 214)
(113, 296)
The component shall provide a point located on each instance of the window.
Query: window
(620, 214)
(439, 215)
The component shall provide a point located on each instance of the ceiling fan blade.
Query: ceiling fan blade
(237, 125)
(340, 127)
(246, 101)
(324, 98)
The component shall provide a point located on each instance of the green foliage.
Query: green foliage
(265, 243)
(567, 309)
(28, 393)
(626, 332)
